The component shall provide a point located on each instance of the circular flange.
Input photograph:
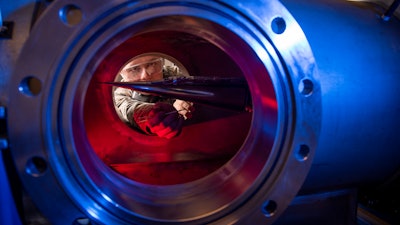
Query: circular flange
(55, 85)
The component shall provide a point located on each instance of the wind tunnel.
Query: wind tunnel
(323, 77)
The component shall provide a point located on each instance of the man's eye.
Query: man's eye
(133, 69)
(150, 64)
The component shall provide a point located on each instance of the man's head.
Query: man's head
(143, 68)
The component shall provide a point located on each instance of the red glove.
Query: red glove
(161, 120)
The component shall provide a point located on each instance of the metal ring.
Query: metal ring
(252, 186)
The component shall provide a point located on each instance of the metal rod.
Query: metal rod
(228, 93)
(389, 13)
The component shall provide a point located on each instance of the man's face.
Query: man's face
(144, 68)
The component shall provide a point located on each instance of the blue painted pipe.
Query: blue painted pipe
(357, 55)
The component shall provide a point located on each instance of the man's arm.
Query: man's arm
(159, 118)
(126, 105)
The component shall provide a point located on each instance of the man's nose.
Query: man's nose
(144, 75)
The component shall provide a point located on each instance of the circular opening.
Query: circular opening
(303, 152)
(172, 133)
(155, 107)
(71, 15)
(269, 208)
(36, 166)
(306, 87)
(220, 146)
(30, 86)
(278, 25)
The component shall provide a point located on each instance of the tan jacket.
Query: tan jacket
(127, 102)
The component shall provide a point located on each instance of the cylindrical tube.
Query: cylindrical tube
(357, 55)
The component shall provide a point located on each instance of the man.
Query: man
(150, 114)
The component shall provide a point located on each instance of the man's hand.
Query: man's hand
(184, 108)
(160, 121)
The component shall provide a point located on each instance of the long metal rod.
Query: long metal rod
(229, 93)
(389, 13)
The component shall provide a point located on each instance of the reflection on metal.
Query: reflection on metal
(324, 86)
(390, 7)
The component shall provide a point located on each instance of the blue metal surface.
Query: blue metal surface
(8, 210)
(356, 55)
(86, 186)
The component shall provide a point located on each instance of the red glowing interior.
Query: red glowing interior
(207, 141)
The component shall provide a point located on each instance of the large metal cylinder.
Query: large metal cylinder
(323, 80)
(357, 56)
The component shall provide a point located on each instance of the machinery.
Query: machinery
(319, 145)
